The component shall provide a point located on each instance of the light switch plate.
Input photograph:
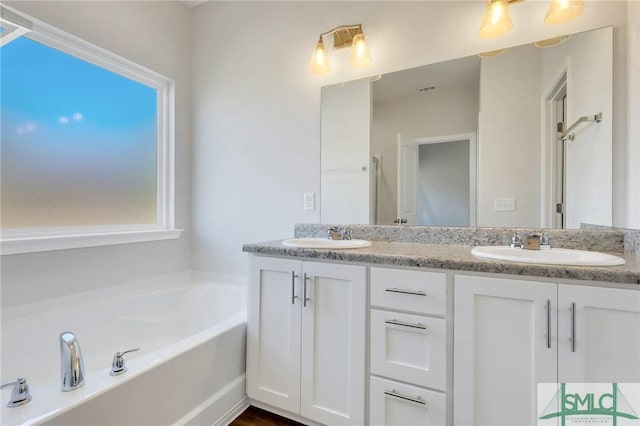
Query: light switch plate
(505, 205)
(309, 201)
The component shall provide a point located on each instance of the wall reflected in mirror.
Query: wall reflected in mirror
(475, 141)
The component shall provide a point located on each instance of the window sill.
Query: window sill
(36, 244)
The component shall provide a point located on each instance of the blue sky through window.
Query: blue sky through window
(79, 142)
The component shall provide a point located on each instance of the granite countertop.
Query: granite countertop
(452, 257)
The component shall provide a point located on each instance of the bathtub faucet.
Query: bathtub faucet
(71, 364)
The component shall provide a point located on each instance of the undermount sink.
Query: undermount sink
(325, 243)
(553, 256)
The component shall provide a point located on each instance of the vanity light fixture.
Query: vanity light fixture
(344, 36)
(497, 22)
(563, 11)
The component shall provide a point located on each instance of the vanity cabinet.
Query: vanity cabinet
(306, 339)
(598, 335)
(511, 335)
(408, 347)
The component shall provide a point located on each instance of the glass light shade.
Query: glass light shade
(550, 42)
(360, 56)
(319, 61)
(562, 11)
(492, 53)
(496, 21)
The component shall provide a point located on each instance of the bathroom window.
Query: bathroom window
(85, 146)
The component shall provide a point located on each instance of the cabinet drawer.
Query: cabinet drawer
(416, 291)
(399, 404)
(411, 348)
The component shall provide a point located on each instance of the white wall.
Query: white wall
(157, 36)
(257, 108)
(633, 119)
(509, 138)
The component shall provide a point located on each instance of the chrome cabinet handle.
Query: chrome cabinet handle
(572, 310)
(416, 400)
(406, 324)
(305, 299)
(402, 291)
(293, 287)
(547, 308)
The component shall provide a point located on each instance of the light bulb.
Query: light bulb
(360, 56)
(319, 61)
(563, 11)
(496, 21)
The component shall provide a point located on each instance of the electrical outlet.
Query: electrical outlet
(309, 201)
(505, 205)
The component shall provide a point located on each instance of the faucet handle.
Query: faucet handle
(346, 233)
(545, 241)
(19, 394)
(516, 240)
(117, 364)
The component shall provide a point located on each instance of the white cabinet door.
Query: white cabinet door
(273, 333)
(502, 330)
(398, 404)
(333, 343)
(605, 325)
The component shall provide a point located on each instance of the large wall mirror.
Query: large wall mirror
(519, 138)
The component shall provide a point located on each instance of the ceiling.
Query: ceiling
(461, 73)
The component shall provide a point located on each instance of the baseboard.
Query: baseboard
(234, 413)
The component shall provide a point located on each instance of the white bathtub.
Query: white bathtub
(189, 369)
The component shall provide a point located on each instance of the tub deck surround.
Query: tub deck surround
(188, 331)
(453, 257)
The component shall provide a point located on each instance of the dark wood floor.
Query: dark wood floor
(253, 416)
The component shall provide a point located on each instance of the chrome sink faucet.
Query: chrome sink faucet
(71, 363)
(339, 233)
(532, 242)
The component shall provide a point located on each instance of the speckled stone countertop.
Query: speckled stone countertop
(452, 257)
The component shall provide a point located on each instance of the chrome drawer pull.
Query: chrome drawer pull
(395, 394)
(412, 292)
(406, 324)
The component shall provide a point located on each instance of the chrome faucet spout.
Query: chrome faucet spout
(339, 233)
(71, 363)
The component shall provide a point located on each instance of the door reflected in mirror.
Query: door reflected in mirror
(475, 141)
